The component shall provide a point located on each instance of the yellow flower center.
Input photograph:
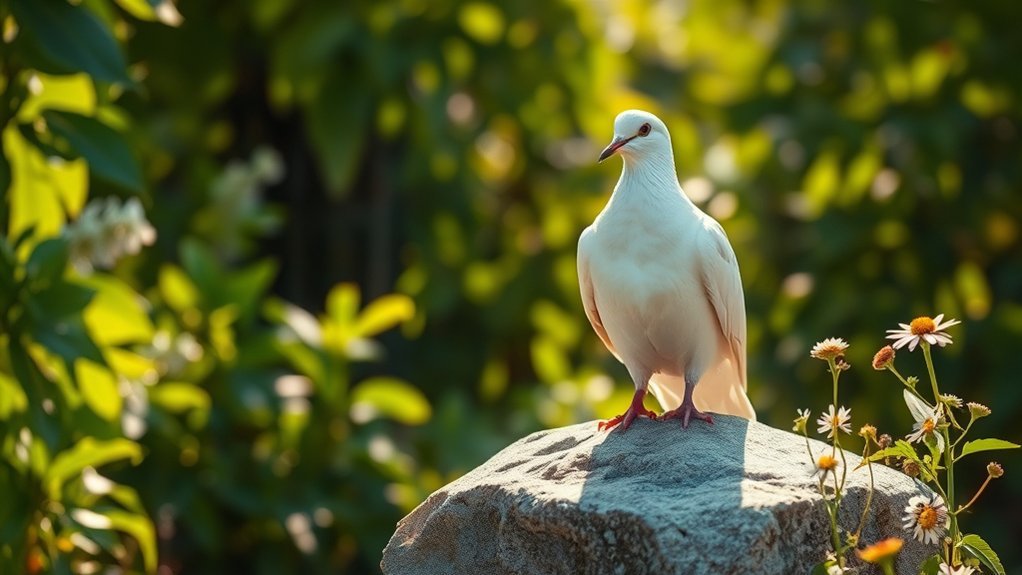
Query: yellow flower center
(826, 462)
(921, 325)
(928, 426)
(928, 518)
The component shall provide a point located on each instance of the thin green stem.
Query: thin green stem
(869, 494)
(964, 431)
(904, 382)
(933, 382)
(949, 464)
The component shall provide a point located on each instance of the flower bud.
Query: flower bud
(994, 469)
(868, 432)
(884, 441)
(978, 410)
(910, 468)
(883, 358)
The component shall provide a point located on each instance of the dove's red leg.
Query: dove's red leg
(687, 410)
(636, 409)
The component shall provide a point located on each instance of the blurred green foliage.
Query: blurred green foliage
(233, 398)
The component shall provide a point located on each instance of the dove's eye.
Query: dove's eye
(644, 130)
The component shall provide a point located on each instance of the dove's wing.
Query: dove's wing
(585, 285)
(723, 285)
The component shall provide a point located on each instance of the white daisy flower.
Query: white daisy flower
(922, 329)
(830, 348)
(926, 426)
(946, 569)
(926, 518)
(832, 421)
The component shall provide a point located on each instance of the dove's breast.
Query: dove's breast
(647, 287)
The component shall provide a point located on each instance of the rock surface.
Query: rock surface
(733, 498)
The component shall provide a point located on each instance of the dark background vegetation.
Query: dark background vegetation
(298, 362)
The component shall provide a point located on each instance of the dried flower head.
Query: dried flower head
(833, 421)
(883, 358)
(868, 432)
(926, 518)
(922, 329)
(994, 469)
(910, 468)
(881, 551)
(885, 441)
(801, 420)
(828, 349)
(842, 365)
(951, 399)
(978, 410)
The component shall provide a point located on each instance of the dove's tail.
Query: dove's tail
(720, 390)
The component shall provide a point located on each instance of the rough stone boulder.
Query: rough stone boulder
(732, 498)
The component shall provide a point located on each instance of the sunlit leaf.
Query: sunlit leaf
(99, 389)
(389, 397)
(41, 190)
(177, 396)
(177, 289)
(141, 528)
(162, 11)
(384, 313)
(980, 549)
(978, 445)
(88, 452)
(342, 305)
(117, 315)
(549, 360)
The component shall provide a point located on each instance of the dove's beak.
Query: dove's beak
(613, 147)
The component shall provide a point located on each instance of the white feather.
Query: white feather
(660, 283)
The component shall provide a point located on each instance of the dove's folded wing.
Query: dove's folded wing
(585, 285)
(723, 285)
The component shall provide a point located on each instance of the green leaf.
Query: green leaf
(88, 452)
(389, 397)
(931, 566)
(104, 148)
(99, 389)
(975, 545)
(59, 301)
(384, 313)
(986, 445)
(178, 397)
(337, 121)
(48, 260)
(141, 528)
(177, 289)
(71, 37)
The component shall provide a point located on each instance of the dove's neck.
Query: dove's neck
(649, 182)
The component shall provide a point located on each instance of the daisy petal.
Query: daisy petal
(912, 344)
(937, 319)
(930, 339)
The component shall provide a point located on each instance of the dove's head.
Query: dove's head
(638, 135)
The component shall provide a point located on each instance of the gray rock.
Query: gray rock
(732, 498)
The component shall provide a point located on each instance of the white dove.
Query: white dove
(661, 287)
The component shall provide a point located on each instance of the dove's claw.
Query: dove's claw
(686, 412)
(636, 409)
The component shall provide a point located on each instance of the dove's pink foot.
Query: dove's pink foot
(686, 412)
(636, 409)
